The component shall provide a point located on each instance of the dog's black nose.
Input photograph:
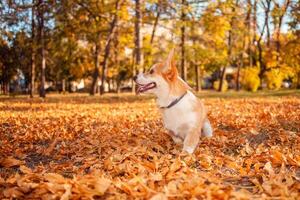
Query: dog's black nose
(134, 78)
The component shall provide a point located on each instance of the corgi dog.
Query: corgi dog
(184, 115)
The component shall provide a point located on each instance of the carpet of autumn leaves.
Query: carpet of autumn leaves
(117, 148)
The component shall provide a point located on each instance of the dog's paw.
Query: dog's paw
(207, 130)
(188, 149)
(177, 140)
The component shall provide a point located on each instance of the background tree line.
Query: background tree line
(109, 41)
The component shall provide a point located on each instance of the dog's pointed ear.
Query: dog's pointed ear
(169, 63)
(170, 67)
(170, 57)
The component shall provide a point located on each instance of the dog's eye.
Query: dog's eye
(151, 71)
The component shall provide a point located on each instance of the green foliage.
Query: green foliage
(250, 78)
(224, 86)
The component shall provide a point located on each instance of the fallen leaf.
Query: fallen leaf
(159, 196)
(25, 169)
(68, 193)
(12, 193)
(10, 162)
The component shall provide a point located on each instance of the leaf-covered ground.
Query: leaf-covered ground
(117, 148)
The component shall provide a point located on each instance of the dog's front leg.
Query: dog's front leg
(191, 140)
(176, 140)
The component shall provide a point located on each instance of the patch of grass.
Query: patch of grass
(129, 97)
(84, 98)
(246, 94)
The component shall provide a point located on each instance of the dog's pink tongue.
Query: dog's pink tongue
(139, 89)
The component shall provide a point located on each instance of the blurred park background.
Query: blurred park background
(97, 46)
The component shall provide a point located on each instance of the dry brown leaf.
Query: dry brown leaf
(254, 153)
(172, 187)
(101, 185)
(68, 192)
(25, 169)
(2, 180)
(278, 157)
(55, 178)
(12, 193)
(156, 177)
(10, 162)
(268, 167)
(49, 150)
(175, 166)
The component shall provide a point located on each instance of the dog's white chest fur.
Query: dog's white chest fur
(181, 117)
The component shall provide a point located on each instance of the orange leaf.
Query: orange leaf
(159, 196)
(25, 169)
(11, 162)
(12, 193)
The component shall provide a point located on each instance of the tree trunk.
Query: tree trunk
(197, 78)
(5, 80)
(138, 34)
(195, 62)
(118, 86)
(241, 63)
(254, 25)
(298, 81)
(155, 23)
(94, 85)
(230, 36)
(267, 11)
(116, 59)
(138, 40)
(278, 42)
(111, 35)
(248, 18)
(222, 78)
(259, 46)
(237, 82)
(133, 72)
(43, 55)
(261, 63)
(63, 86)
(278, 31)
(5, 87)
(182, 45)
(32, 74)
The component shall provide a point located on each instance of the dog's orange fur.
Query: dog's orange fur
(177, 86)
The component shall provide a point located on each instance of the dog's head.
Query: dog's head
(162, 78)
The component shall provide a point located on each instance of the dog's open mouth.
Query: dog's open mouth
(144, 87)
